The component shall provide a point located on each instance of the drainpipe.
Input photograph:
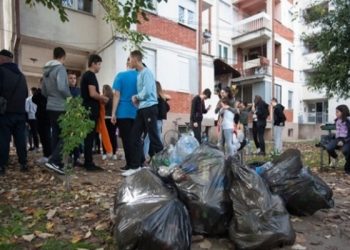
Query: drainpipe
(17, 32)
(273, 49)
(200, 4)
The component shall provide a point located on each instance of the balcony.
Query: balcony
(314, 118)
(248, 6)
(254, 67)
(253, 29)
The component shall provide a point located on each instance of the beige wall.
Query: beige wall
(6, 24)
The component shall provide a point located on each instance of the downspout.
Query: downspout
(200, 4)
(17, 32)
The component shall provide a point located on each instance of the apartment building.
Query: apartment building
(315, 108)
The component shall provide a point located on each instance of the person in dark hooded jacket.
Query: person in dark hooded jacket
(261, 112)
(278, 123)
(14, 89)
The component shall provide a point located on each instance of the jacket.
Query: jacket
(13, 87)
(197, 109)
(55, 85)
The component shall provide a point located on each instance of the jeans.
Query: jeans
(125, 125)
(333, 145)
(57, 142)
(44, 131)
(145, 122)
(198, 132)
(146, 141)
(12, 124)
(258, 134)
(277, 137)
(34, 131)
(228, 135)
(89, 143)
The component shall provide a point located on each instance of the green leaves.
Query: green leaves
(332, 69)
(51, 4)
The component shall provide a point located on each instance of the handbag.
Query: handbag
(3, 100)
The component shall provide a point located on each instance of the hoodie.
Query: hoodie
(55, 85)
(13, 87)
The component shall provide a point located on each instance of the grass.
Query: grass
(53, 244)
(11, 224)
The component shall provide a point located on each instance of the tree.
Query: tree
(122, 14)
(331, 70)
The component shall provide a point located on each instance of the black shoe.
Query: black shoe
(55, 167)
(31, 149)
(24, 168)
(125, 168)
(2, 171)
(93, 167)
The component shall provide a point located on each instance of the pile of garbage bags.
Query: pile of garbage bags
(260, 220)
(193, 189)
(147, 215)
(303, 192)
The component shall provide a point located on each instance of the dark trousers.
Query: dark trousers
(57, 142)
(198, 132)
(89, 143)
(125, 125)
(13, 124)
(34, 131)
(44, 131)
(112, 128)
(333, 145)
(258, 134)
(145, 122)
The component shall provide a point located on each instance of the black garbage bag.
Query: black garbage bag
(303, 192)
(202, 183)
(147, 215)
(260, 220)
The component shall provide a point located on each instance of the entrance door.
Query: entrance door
(319, 112)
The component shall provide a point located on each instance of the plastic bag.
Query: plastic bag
(147, 215)
(203, 186)
(186, 145)
(260, 220)
(163, 158)
(303, 192)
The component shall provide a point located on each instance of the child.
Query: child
(342, 139)
(228, 127)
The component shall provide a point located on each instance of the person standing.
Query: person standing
(147, 113)
(261, 112)
(91, 98)
(73, 86)
(124, 111)
(278, 123)
(55, 88)
(13, 89)
(31, 109)
(197, 111)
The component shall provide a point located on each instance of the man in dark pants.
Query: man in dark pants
(55, 88)
(197, 111)
(91, 98)
(13, 87)
(31, 109)
(261, 110)
(124, 111)
(147, 114)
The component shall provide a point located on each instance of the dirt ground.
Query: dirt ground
(37, 213)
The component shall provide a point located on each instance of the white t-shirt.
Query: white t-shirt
(227, 121)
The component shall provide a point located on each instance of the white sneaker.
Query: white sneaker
(104, 157)
(54, 167)
(114, 157)
(333, 163)
(257, 151)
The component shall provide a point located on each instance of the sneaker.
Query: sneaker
(54, 167)
(2, 171)
(24, 168)
(104, 157)
(333, 163)
(43, 160)
(258, 150)
(114, 157)
(131, 172)
(93, 167)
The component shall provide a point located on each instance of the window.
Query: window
(187, 14)
(290, 58)
(290, 99)
(80, 5)
(181, 14)
(223, 52)
(278, 92)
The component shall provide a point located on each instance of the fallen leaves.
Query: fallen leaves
(51, 213)
(28, 237)
(43, 235)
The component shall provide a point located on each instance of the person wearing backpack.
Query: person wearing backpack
(261, 112)
(278, 123)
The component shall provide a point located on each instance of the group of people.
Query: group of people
(136, 105)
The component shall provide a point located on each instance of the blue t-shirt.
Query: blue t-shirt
(126, 83)
(146, 89)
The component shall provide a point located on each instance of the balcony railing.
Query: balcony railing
(253, 23)
(258, 66)
(315, 118)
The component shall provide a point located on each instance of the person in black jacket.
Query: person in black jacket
(13, 87)
(197, 111)
(278, 123)
(260, 114)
